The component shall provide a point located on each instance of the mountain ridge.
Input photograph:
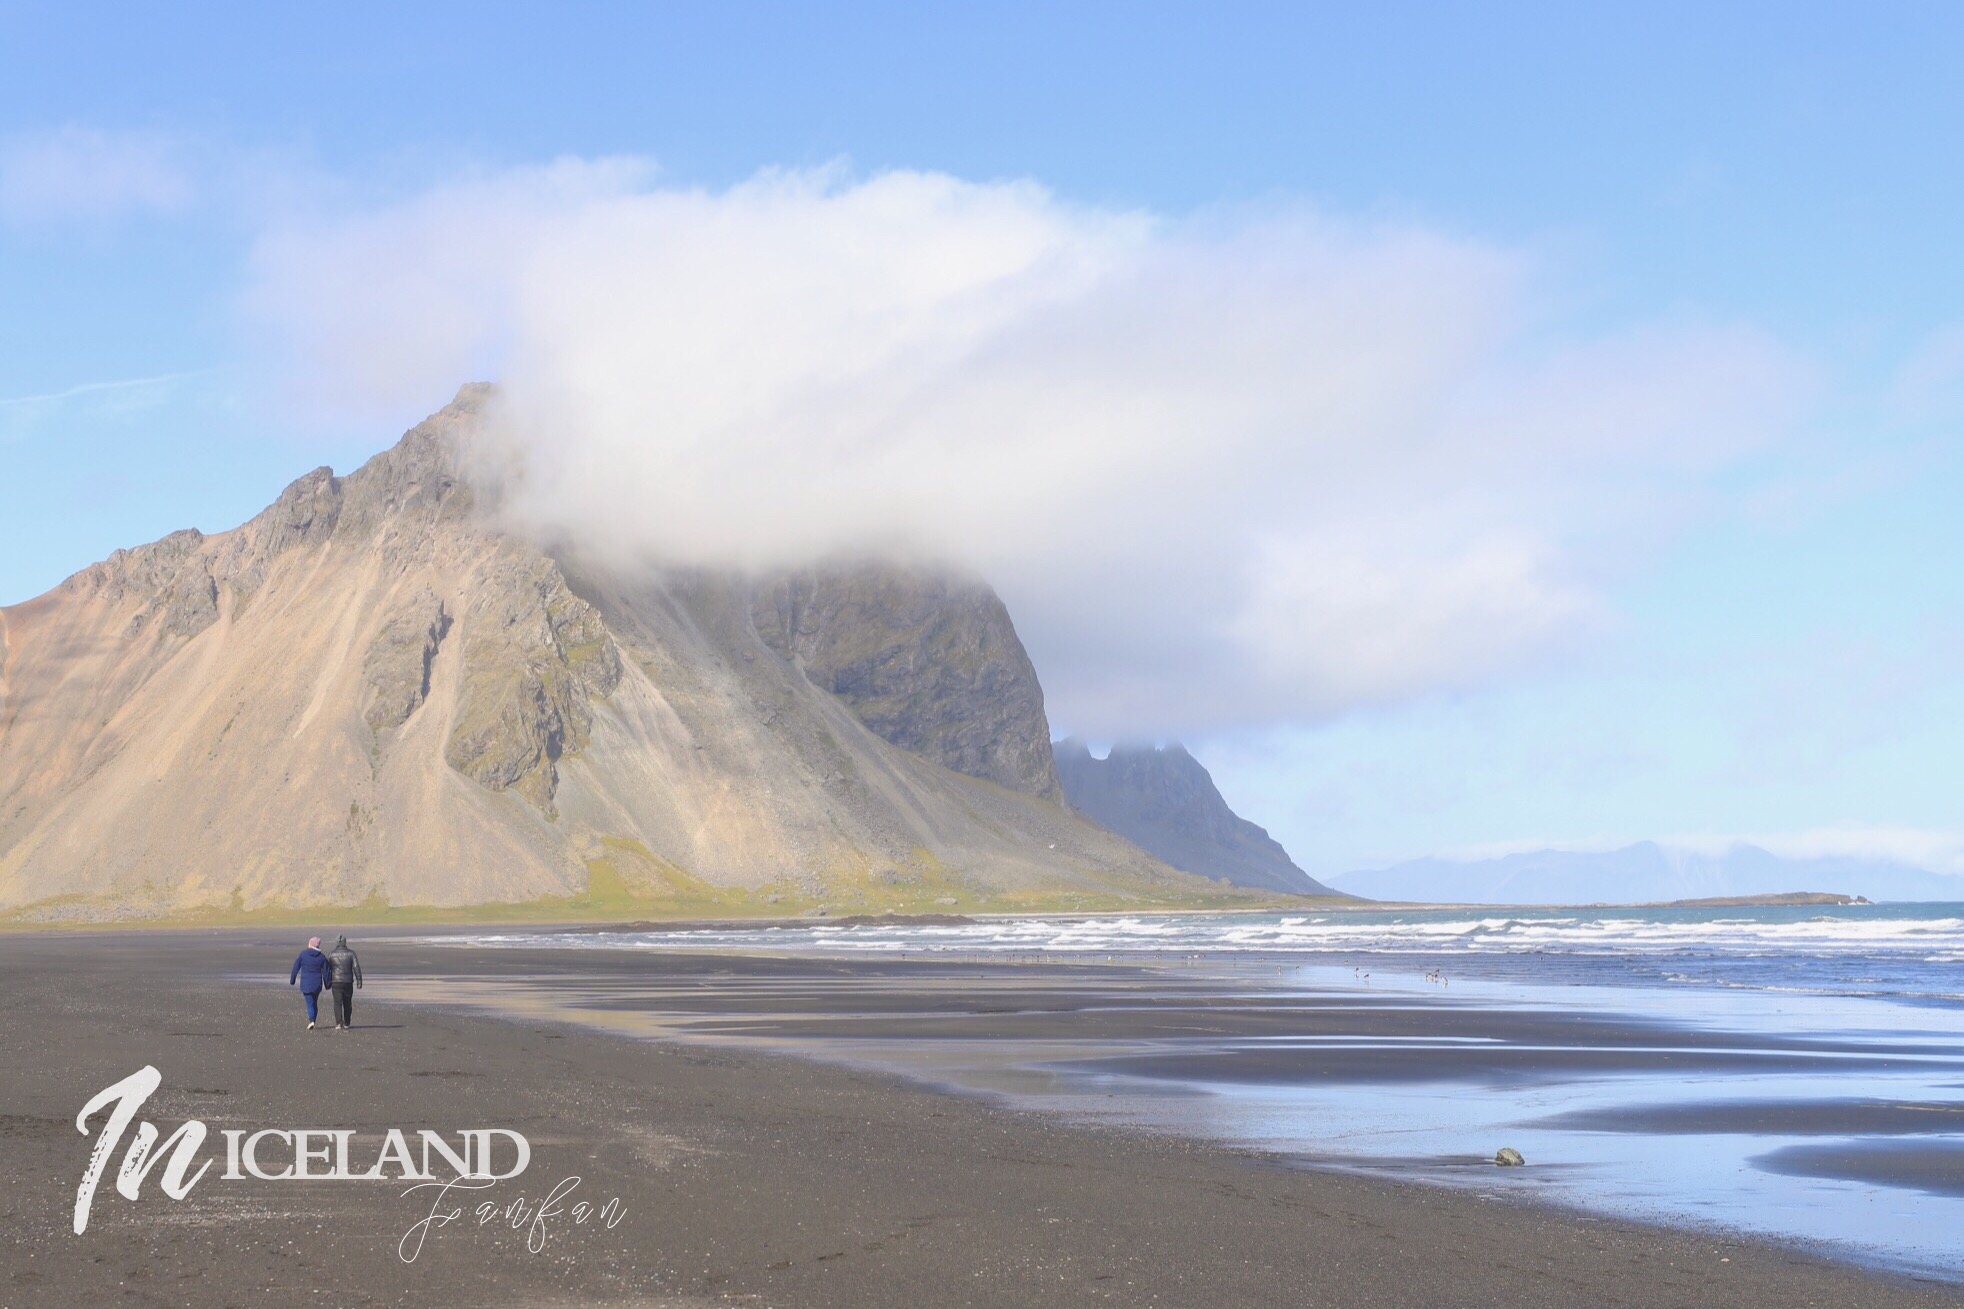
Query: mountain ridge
(373, 693)
(1163, 800)
(1642, 872)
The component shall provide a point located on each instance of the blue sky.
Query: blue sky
(1772, 641)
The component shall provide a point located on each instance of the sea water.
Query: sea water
(1786, 1071)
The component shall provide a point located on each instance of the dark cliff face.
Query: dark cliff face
(1165, 803)
(928, 661)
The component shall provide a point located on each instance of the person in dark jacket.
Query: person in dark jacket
(310, 970)
(344, 975)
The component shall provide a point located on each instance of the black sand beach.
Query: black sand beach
(746, 1177)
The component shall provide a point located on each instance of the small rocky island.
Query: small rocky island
(1748, 901)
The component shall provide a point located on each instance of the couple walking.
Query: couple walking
(338, 970)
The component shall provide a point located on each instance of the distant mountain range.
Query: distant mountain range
(1163, 800)
(1644, 872)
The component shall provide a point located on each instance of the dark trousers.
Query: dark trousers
(313, 999)
(344, 1006)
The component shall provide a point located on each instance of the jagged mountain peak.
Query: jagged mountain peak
(1163, 800)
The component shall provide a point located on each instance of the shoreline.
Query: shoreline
(1212, 1047)
(441, 918)
(745, 1174)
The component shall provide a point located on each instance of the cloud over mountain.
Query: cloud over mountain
(1230, 468)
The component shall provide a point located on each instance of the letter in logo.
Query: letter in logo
(395, 1149)
(460, 1164)
(252, 1155)
(305, 1152)
(481, 1141)
(128, 1096)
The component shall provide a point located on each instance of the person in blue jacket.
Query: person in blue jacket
(310, 970)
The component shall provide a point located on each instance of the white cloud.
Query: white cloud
(1228, 469)
(24, 414)
(85, 173)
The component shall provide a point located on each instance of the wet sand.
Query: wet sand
(746, 1176)
(1851, 1117)
(1935, 1168)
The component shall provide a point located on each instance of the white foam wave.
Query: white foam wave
(1907, 939)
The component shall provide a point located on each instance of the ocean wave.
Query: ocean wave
(1623, 933)
(1877, 953)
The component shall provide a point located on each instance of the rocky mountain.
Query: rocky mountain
(930, 662)
(1643, 873)
(372, 694)
(1163, 801)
